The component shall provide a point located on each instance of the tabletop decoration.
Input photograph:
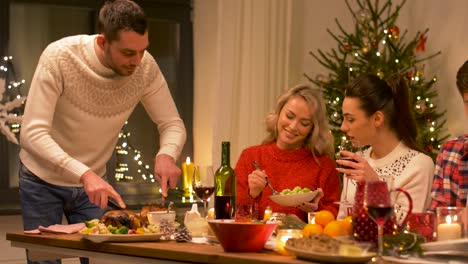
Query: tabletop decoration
(449, 223)
(183, 235)
(287, 221)
(267, 214)
(422, 223)
(167, 229)
(283, 236)
(403, 243)
(187, 174)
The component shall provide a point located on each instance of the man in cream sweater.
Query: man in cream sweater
(83, 90)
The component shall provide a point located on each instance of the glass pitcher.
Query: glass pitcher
(364, 228)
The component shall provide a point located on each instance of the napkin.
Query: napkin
(57, 229)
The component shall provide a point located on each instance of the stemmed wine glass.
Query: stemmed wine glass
(350, 145)
(379, 208)
(203, 183)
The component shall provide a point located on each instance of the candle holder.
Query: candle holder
(283, 235)
(450, 223)
(187, 175)
(423, 223)
(311, 217)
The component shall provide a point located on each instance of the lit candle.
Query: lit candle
(267, 213)
(448, 230)
(187, 174)
(283, 235)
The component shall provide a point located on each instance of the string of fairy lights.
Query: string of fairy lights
(124, 149)
(11, 100)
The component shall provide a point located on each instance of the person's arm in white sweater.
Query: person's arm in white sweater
(416, 179)
(160, 106)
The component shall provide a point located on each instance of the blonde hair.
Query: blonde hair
(320, 140)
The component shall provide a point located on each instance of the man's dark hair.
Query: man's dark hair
(119, 15)
(462, 79)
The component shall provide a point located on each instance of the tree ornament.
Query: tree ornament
(395, 32)
(422, 43)
(365, 50)
(409, 75)
(429, 148)
(374, 44)
(347, 48)
(363, 16)
(420, 106)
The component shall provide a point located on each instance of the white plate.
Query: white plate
(456, 244)
(293, 200)
(212, 239)
(455, 253)
(315, 256)
(98, 238)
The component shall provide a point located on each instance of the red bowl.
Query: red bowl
(241, 236)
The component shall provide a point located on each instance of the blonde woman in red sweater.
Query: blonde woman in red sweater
(297, 152)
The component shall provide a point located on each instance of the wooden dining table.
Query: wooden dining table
(53, 246)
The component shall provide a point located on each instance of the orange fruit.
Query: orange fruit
(310, 229)
(335, 229)
(347, 223)
(324, 217)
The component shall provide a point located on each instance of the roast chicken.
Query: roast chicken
(130, 219)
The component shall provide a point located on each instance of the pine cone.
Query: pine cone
(167, 229)
(183, 235)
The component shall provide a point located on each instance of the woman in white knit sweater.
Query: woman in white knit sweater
(378, 115)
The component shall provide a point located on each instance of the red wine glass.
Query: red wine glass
(379, 208)
(203, 183)
(350, 145)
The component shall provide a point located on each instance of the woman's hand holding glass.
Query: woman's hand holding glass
(355, 167)
(346, 158)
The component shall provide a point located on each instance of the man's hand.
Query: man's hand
(98, 190)
(166, 172)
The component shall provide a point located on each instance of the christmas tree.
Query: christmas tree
(11, 101)
(378, 47)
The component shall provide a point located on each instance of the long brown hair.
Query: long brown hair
(392, 99)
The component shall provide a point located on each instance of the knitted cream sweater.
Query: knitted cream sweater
(410, 170)
(76, 108)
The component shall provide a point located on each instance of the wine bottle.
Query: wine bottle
(225, 186)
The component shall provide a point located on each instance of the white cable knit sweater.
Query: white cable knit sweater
(76, 108)
(410, 169)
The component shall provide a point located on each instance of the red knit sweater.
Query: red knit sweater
(288, 169)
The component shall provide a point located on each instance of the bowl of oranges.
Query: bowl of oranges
(324, 222)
